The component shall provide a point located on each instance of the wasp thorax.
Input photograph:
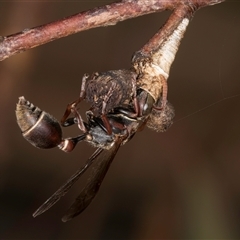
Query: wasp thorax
(38, 127)
(115, 88)
(161, 119)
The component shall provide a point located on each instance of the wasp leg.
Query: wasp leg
(136, 104)
(73, 104)
(104, 105)
(160, 105)
(79, 120)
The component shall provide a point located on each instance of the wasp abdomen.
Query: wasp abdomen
(38, 127)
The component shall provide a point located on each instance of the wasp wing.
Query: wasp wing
(103, 162)
(64, 189)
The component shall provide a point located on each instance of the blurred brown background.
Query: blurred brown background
(184, 183)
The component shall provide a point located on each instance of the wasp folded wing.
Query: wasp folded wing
(103, 162)
(64, 189)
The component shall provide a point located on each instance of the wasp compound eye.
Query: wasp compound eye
(161, 120)
(38, 127)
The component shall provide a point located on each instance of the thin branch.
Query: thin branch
(100, 16)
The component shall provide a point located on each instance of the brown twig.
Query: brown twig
(100, 16)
